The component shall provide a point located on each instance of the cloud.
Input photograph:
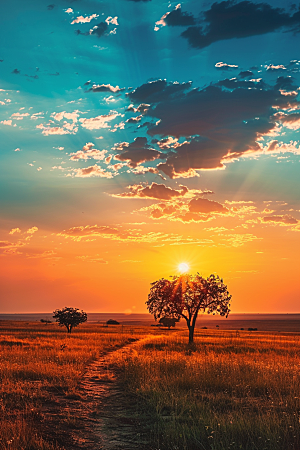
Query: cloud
(237, 240)
(96, 123)
(104, 88)
(99, 30)
(246, 74)
(32, 230)
(134, 119)
(278, 67)
(159, 192)
(175, 18)
(88, 152)
(157, 91)
(129, 235)
(81, 19)
(282, 220)
(112, 20)
(66, 129)
(220, 123)
(92, 259)
(19, 116)
(6, 122)
(6, 244)
(136, 152)
(69, 11)
(205, 206)
(291, 121)
(63, 114)
(229, 20)
(92, 171)
(225, 66)
(15, 230)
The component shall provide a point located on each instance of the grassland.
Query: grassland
(229, 391)
(38, 361)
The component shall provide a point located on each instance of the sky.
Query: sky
(136, 135)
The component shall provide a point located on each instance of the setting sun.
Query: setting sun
(183, 267)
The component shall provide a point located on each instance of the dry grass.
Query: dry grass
(38, 361)
(226, 392)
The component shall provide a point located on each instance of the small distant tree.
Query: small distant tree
(112, 322)
(187, 295)
(168, 321)
(69, 317)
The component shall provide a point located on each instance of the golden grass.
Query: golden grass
(38, 361)
(228, 391)
(225, 392)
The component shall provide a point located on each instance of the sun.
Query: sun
(183, 267)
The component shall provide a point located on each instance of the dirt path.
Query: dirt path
(103, 417)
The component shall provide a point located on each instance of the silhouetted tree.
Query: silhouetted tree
(168, 321)
(187, 295)
(69, 317)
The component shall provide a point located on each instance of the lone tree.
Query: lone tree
(187, 295)
(69, 317)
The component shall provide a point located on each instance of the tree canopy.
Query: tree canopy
(187, 295)
(69, 317)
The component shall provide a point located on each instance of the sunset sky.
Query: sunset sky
(138, 135)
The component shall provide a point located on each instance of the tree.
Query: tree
(187, 295)
(69, 317)
(168, 321)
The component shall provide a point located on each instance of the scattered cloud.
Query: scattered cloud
(129, 235)
(225, 66)
(158, 192)
(92, 259)
(96, 123)
(175, 18)
(281, 220)
(105, 88)
(92, 171)
(87, 19)
(15, 230)
(88, 152)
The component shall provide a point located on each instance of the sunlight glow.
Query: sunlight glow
(183, 267)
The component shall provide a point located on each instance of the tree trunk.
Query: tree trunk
(191, 334)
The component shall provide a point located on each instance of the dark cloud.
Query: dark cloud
(50, 7)
(286, 219)
(246, 74)
(155, 191)
(16, 71)
(157, 91)
(137, 152)
(219, 123)
(179, 18)
(228, 20)
(286, 83)
(204, 206)
(234, 83)
(138, 1)
(98, 30)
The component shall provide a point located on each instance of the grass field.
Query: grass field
(229, 391)
(38, 361)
